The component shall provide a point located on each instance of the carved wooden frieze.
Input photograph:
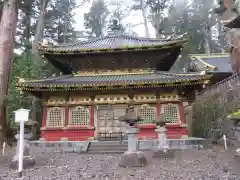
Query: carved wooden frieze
(53, 100)
(169, 97)
(80, 100)
(144, 98)
(111, 99)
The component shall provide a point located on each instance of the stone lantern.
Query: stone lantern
(132, 157)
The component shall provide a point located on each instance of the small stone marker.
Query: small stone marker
(3, 148)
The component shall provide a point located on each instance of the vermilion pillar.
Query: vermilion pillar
(92, 115)
(184, 131)
(67, 111)
(158, 108)
(44, 121)
(181, 109)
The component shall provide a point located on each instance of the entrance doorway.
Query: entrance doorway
(109, 127)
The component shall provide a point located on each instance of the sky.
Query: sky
(136, 18)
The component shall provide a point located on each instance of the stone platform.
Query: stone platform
(83, 146)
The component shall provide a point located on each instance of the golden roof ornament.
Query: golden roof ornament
(21, 80)
(203, 72)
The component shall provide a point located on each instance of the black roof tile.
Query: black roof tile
(156, 77)
(113, 42)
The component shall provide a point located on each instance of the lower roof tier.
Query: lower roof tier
(125, 80)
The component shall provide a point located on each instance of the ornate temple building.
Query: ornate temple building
(102, 76)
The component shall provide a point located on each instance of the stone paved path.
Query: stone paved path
(212, 164)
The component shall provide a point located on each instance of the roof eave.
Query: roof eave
(126, 86)
(47, 50)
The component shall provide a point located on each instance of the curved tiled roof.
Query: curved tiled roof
(113, 42)
(212, 62)
(155, 77)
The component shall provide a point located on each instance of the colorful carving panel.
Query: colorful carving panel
(56, 100)
(112, 99)
(79, 100)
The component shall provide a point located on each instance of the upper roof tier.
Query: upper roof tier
(113, 52)
(112, 43)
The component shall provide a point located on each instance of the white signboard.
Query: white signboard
(21, 115)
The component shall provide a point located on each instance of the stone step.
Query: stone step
(105, 152)
(107, 147)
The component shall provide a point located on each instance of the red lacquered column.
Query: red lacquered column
(92, 115)
(182, 118)
(44, 121)
(158, 106)
(67, 111)
(181, 111)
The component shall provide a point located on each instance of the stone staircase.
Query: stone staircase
(120, 147)
(103, 147)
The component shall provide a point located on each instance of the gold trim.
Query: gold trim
(114, 72)
(79, 100)
(53, 100)
(112, 99)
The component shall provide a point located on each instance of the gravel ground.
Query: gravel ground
(212, 164)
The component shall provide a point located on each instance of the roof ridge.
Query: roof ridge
(114, 36)
(52, 78)
(179, 74)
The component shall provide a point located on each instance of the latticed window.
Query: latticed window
(171, 112)
(147, 114)
(79, 116)
(55, 117)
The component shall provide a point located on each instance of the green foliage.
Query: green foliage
(96, 19)
(204, 119)
(234, 114)
(59, 21)
(210, 114)
(23, 67)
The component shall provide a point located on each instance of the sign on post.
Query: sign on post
(21, 116)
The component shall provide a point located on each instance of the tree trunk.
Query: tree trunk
(39, 29)
(7, 35)
(143, 9)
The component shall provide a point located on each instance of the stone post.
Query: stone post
(28, 160)
(237, 133)
(132, 139)
(162, 141)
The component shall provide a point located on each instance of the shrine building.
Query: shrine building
(218, 65)
(102, 76)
